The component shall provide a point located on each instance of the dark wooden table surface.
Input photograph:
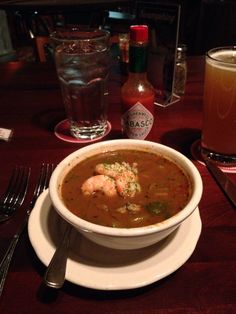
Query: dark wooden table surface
(31, 104)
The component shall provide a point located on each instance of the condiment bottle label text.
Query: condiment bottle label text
(137, 122)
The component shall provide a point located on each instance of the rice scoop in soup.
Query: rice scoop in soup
(126, 189)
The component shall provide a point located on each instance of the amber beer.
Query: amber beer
(219, 113)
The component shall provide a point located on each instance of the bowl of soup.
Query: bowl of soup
(125, 194)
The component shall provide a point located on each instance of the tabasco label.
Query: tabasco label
(137, 122)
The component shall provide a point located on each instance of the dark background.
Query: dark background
(204, 24)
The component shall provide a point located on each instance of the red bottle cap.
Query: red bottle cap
(139, 33)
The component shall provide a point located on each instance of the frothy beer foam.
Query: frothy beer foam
(223, 59)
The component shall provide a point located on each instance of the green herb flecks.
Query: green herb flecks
(157, 208)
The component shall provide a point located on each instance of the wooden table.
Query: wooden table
(31, 104)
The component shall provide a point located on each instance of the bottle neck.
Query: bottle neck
(137, 76)
(138, 58)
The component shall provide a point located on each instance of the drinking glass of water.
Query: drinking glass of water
(82, 60)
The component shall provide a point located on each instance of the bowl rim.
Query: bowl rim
(86, 226)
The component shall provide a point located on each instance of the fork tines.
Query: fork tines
(43, 181)
(16, 190)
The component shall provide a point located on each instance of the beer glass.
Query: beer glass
(219, 112)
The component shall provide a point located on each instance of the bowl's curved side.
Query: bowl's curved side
(100, 233)
(127, 242)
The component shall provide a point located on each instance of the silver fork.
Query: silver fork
(15, 192)
(42, 184)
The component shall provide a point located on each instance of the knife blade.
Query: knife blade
(226, 184)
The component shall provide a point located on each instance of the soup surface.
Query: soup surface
(126, 189)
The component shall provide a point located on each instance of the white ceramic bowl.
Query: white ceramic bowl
(124, 238)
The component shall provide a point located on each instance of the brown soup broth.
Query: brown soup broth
(165, 190)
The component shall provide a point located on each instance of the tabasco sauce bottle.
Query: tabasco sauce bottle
(137, 94)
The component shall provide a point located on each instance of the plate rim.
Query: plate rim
(35, 231)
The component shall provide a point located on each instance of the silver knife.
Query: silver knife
(227, 185)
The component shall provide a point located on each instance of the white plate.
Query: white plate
(93, 266)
